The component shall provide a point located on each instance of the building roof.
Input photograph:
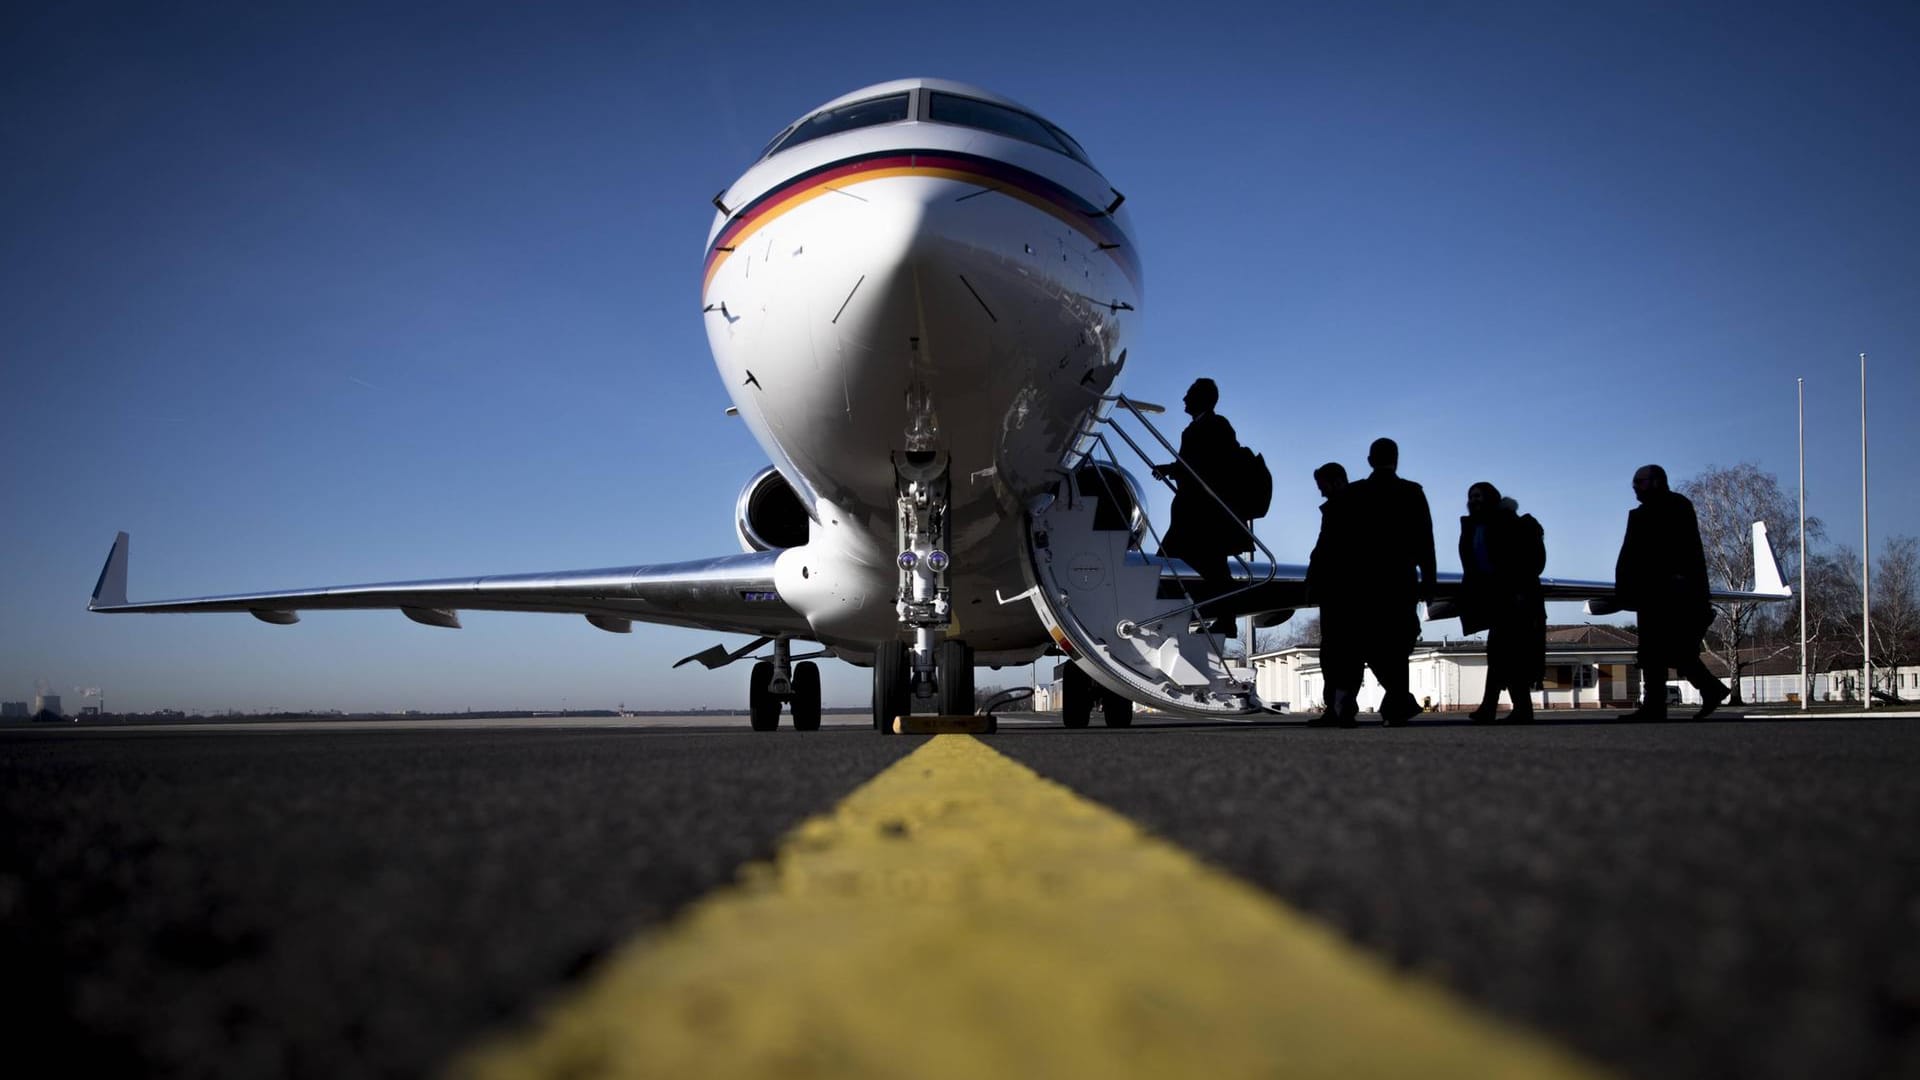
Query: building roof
(1592, 634)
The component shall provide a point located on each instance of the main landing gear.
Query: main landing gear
(1080, 694)
(780, 680)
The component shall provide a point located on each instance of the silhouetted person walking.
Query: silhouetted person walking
(1332, 582)
(1662, 574)
(1501, 555)
(1202, 531)
(1394, 530)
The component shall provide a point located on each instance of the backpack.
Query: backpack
(1250, 486)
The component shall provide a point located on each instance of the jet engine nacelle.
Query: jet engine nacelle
(1121, 502)
(768, 515)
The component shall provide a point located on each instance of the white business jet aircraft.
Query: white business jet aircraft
(919, 299)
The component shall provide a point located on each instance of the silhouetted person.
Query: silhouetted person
(1332, 582)
(1662, 574)
(1501, 555)
(1394, 530)
(1202, 531)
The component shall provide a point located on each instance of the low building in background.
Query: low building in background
(1588, 667)
(14, 710)
(47, 703)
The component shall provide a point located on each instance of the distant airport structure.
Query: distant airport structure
(13, 710)
(1587, 667)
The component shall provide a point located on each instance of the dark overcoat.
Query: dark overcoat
(1334, 570)
(1394, 535)
(1199, 525)
(1509, 585)
(1503, 597)
(1662, 575)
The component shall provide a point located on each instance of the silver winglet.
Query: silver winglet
(111, 589)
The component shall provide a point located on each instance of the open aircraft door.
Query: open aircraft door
(1102, 603)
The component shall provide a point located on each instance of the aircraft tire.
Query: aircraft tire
(892, 685)
(763, 709)
(956, 678)
(1116, 709)
(1076, 696)
(805, 703)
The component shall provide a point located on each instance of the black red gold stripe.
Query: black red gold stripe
(1029, 187)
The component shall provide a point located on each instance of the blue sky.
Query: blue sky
(360, 294)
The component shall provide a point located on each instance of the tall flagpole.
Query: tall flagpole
(1806, 683)
(1866, 564)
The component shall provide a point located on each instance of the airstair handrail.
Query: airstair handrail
(1134, 408)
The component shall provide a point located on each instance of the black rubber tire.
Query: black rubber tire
(1076, 696)
(1115, 709)
(955, 671)
(763, 709)
(805, 702)
(892, 685)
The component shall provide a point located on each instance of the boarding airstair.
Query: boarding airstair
(1130, 621)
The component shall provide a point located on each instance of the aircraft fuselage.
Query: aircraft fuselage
(918, 285)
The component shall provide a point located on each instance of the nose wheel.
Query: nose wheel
(955, 672)
(892, 685)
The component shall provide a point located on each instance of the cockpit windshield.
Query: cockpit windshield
(971, 112)
(880, 110)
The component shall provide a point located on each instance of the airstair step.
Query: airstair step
(1106, 606)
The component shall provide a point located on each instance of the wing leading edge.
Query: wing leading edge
(731, 594)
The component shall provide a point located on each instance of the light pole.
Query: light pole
(1866, 564)
(1806, 682)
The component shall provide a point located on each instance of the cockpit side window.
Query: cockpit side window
(773, 142)
(880, 110)
(1074, 149)
(970, 112)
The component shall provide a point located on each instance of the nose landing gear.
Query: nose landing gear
(934, 671)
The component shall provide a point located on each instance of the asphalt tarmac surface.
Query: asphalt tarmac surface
(1737, 898)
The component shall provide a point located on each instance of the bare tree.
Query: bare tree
(1296, 631)
(1836, 602)
(1896, 603)
(1896, 606)
(1728, 502)
(1832, 599)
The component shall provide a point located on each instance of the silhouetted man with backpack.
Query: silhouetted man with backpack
(1205, 529)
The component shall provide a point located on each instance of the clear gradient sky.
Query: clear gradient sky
(402, 291)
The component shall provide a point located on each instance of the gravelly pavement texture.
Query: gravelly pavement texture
(1682, 900)
(350, 904)
(1727, 899)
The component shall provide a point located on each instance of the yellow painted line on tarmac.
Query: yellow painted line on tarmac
(961, 916)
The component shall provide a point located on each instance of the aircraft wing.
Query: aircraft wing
(1281, 587)
(731, 594)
